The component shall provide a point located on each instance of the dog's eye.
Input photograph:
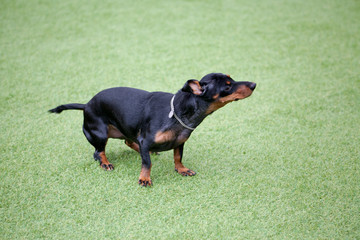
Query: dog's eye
(228, 86)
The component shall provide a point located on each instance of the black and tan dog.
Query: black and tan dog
(155, 121)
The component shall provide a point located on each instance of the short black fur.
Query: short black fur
(141, 118)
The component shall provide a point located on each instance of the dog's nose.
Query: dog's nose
(252, 86)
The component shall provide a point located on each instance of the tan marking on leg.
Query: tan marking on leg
(144, 179)
(179, 167)
(133, 145)
(104, 163)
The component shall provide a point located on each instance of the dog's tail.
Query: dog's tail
(76, 106)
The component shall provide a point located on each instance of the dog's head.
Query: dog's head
(219, 89)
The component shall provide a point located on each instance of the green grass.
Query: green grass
(282, 164)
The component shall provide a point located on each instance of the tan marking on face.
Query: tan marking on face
(215, 106)
(216, 96)
(241, 93)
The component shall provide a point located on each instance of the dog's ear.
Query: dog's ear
(193, 86)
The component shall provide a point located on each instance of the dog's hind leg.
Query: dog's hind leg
(136, 147)
(96, 134)
(133, 145)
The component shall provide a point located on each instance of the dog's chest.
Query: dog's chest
(171, 137)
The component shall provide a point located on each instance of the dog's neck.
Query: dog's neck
(190, 108)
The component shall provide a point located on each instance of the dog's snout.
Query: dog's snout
(252, 86)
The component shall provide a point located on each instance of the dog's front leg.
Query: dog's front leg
(179, 167)
(144, 179)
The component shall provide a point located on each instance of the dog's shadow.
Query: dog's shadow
(122, 158)
(127, 158)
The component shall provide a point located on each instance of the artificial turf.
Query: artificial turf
(282, 164)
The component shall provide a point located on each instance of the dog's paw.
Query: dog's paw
(107, 167)
(144, 182)
(185, 171)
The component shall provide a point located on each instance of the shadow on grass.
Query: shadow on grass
(124, 158)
